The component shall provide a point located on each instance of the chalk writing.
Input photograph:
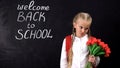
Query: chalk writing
(35, 14)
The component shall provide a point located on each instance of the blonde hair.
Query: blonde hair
(86, 17)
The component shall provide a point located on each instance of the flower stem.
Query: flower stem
(88, 65)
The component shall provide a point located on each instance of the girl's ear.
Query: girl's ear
(74, 25)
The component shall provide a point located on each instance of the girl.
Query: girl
(75, 53)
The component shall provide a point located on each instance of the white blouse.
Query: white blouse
(80, 52)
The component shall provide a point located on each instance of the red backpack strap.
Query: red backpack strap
(68, 43)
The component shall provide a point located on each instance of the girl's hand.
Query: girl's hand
(91, 58)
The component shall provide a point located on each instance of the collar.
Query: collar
(82, 38)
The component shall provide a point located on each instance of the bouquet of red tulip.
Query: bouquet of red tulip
(97, 48)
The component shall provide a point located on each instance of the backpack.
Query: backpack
(68, 43)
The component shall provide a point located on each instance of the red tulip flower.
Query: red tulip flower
(97, 48)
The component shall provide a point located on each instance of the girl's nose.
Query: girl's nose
(83, 30)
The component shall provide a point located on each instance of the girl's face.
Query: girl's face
(81, 27)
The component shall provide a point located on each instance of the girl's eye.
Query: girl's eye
(81, 27)
(86, 28)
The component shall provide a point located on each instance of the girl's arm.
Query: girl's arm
(97, 61)
(63, 59)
